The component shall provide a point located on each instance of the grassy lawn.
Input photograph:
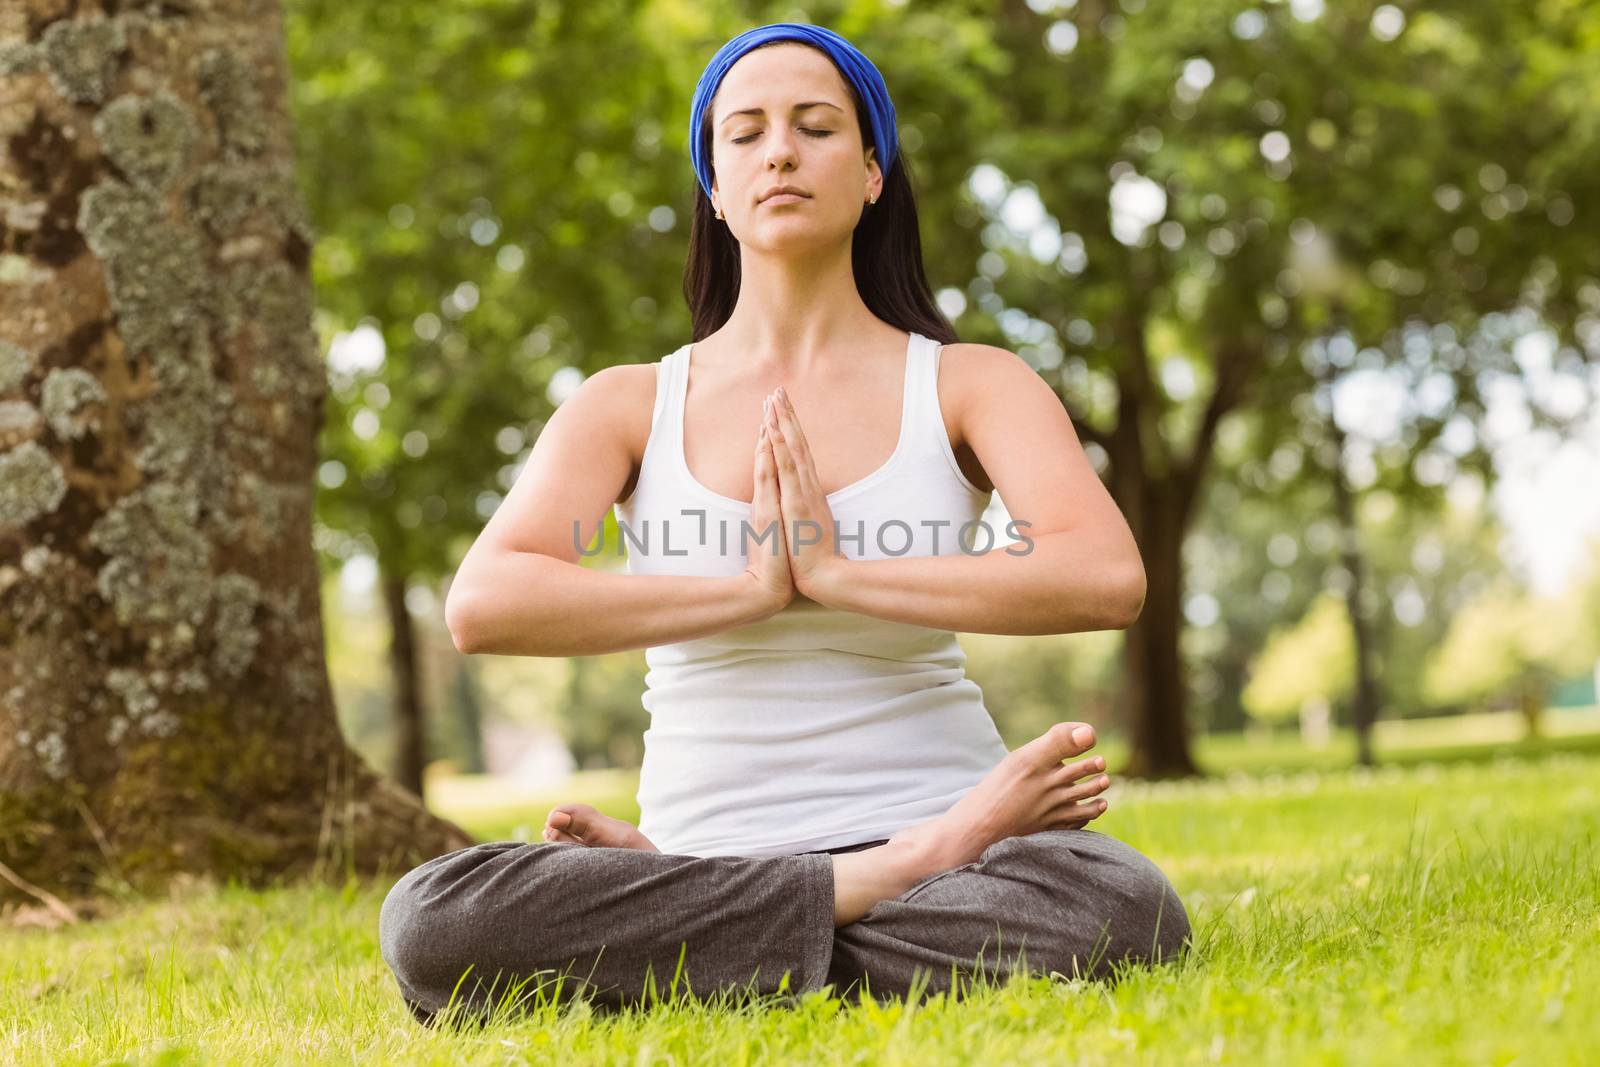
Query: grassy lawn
(1432, 912)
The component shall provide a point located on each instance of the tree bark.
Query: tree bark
(1365, 711)
(1156, 492)
(164, 697)
(1152, 659)
(469, 705)
(1532, 693)
(409, 740)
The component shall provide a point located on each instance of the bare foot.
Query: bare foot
(581, 824)
(1028, 791)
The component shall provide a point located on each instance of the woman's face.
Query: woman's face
(816, 149)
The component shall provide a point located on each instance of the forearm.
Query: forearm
(1068, 582)
(530, 604)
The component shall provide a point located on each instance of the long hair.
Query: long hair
(886, 253)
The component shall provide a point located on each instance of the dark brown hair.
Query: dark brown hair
(886, 254)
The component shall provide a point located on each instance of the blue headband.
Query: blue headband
(856, 68)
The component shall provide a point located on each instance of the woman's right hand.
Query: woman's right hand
(769, 559)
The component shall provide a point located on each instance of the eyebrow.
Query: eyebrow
(797, 107)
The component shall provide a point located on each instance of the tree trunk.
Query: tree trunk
(1156, 497)
(164, 698)
(409, 754)
(469, 706)
(1365, 711)
(1152, 661)
(1531, 697)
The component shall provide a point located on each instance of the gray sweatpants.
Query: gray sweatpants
(521, 922)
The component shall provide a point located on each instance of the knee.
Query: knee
(1154, 923)
(1116, 897)
(407, 944)
(423, 926)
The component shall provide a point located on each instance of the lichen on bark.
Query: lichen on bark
(159, 565)
(161, 648)
(31, 484)
(81, 56)
(68, 398)
(15, 363)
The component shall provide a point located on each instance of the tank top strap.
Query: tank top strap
(666, 368)
(668, 406)
(926, 426)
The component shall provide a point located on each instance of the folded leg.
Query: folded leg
(610, 923)
(1069, 901)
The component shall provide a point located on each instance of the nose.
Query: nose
(780, 150)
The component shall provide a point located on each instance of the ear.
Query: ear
(874, 172)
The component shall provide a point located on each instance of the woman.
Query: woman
(824, 797)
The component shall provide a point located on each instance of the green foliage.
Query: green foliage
(501, 192)
(1314, 659)
(601, 716)
(490, 219)
(1031, 683)
(1504, 638)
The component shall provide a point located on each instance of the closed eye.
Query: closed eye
(813, 133)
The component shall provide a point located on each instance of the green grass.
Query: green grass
(1435, 913)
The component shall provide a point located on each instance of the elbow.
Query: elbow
(1129, 597)
(458, 619)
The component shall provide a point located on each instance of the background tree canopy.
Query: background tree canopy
(1211, 227)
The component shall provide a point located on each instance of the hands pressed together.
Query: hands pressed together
(788, 498)
(790, 511)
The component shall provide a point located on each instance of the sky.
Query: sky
(1548, 489)
(1549, 496)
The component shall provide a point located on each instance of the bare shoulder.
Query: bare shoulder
(967, 358)
(977, 377)
(621, 398)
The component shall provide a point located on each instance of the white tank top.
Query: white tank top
(816, 727)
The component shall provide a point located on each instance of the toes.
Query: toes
(1067, 739)
(551, 834)
(578, 819)
(1082, 789)
(1078, 769)
(1077, 813)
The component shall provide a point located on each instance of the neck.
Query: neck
(798, 313)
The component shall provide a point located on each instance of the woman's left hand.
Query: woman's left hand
(807, 519)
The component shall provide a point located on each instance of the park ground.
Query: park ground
(1442, 908)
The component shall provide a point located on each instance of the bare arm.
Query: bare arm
(520, 590)
(1082, 570)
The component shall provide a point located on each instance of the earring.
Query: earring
(872, 200)
(719, 212)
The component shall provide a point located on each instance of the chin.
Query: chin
(784, 237)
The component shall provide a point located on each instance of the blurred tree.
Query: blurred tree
(1256, 559)
(1266, 546)
(356, 637)
(164, 697)
(1509, 642)
(1031, 683)
(1181, 214)
(1176, 216)
(1364, 713)
(1426, 563)
(467, 703)
(495, 229)
(1585, 593)
(601, 717)
(1310, 662)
